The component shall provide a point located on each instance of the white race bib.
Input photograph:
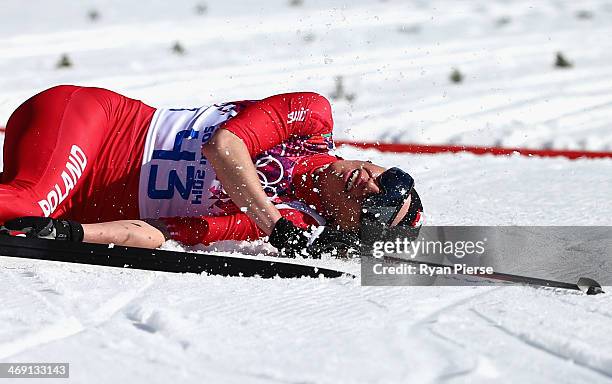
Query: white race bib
(175, 179)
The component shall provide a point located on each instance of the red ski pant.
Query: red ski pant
(74, 152)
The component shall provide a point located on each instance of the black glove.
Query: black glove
(292, 241)
(46, 228)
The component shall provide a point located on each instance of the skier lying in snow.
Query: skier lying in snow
(234, 171)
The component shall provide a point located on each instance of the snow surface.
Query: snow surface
(395, 58)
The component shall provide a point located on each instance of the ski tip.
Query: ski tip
(589, 286)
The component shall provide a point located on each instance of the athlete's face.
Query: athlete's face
(343, 186)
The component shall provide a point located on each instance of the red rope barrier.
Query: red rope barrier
(498, 151)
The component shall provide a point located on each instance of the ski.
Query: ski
(584, 284)
(185, 262)
(156, 260)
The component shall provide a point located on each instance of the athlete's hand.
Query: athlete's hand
(292, 241)
(46, 228)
